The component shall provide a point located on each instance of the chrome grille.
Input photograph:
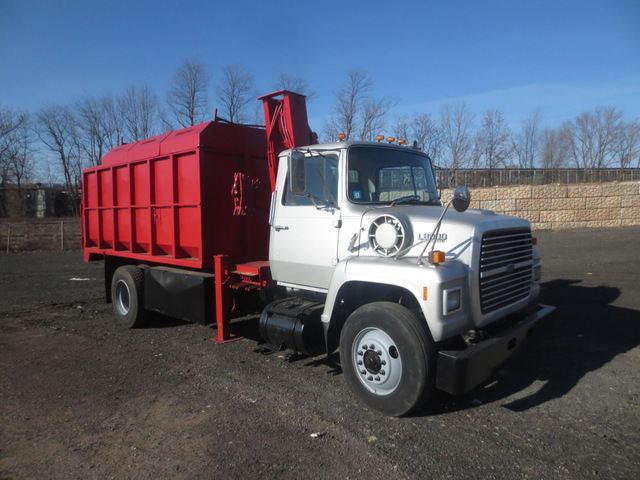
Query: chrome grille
(506, 261)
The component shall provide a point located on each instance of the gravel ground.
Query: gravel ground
(82, 399)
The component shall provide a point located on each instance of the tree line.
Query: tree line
(78, 134)
(456, 138)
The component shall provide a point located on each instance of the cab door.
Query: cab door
(305, 226)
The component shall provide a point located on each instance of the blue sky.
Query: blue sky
(563, 57)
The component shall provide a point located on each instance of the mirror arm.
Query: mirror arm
(436, 230)
(461, 199)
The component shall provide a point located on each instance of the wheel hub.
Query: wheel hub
(377, 361)
(123, 298)
(372, 362)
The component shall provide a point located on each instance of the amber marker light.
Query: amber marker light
(424, 293)
(391, 139)
(436, 256)
(402, 141)
(341, 137)
(379, 138)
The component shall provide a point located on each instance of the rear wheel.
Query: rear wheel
(127, 294)
(388, 358)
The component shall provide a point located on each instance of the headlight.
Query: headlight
(451, 300)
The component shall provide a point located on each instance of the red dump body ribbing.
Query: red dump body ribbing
(181, 198)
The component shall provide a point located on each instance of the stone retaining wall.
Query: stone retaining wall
(555, 207)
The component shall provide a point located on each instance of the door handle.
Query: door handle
(277, 228)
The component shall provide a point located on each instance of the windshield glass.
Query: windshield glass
(387, 175)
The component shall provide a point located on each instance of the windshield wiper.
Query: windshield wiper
(319, 203)
(406, 199)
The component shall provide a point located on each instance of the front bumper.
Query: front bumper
(461, 370)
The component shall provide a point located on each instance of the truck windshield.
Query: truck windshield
(390, 175)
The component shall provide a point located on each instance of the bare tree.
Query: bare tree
(494, 143)
(403, 127)
(626, 147)
(296, 85)
(526, 144)
(456, 123)
(356, 114)
(98, 127)
(236, 92)
(423, 130)
(16, 161)
(21, 165)
(56, 129)
(187, 97)
(11, 123)
(350, 101)
(428, 133)
(139, 110)
(555, 148)
(113, 121)
(374, 116)
(592, 137)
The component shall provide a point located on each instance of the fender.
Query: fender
(426, 283)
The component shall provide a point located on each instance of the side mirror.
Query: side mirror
(297, 181)
(461, 199)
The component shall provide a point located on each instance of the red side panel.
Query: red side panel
(168, 199)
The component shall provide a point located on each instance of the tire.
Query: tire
(127, 294)
(388, 358)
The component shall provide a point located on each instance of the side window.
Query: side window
(321, 182)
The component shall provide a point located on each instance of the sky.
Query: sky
(563, 57)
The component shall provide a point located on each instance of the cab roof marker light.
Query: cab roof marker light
(391, 139)
(379, 138)
(341, 137)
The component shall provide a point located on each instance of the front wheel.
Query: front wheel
(388, 358)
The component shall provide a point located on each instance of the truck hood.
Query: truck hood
(404, 230)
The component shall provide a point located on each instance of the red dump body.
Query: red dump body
(180, 198)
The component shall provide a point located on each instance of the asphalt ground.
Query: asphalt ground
(81, 398)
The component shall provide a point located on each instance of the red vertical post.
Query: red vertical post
(223, 312)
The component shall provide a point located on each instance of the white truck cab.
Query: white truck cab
(412, 292)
